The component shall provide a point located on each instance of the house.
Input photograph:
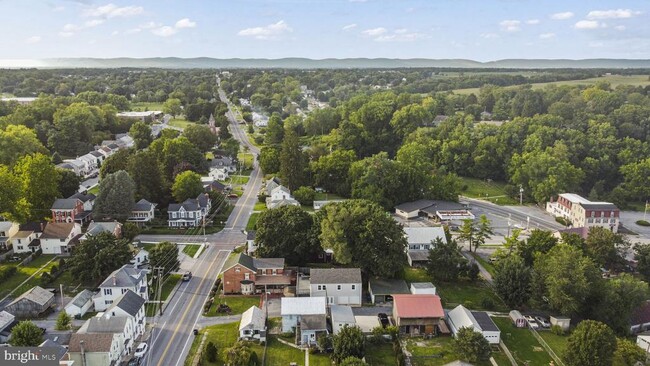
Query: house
(58, 238)
(280, 196)
(417, 315)
(142, 212)
(99, 157)
(31, 304)
(214, 186)
(219, 174)
(25, 241)
(141, 257)
(80, 304)
(581, 212)
(418, 288)
(79, 167)
(305, 315)
(340, 286)
(643, 341)
(460, 317)
(186, 214)
(382, 290)
(226, 162)
(68, 166)
(7, 321)
(88, 200)
(411, 210)
(68, 210)
(341, 316)
(250, 242)
(128, 277)
(90, 163)
(271, 184)
(95, 228)
(59, 351)
(420, 241)
(205, 203)
(253, 324)
(247, 275)
(95, 349)
(7, 230)
(146, 116)
(129, 305)
(438, 211)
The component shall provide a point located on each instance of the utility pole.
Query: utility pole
(521, 194)
(159, 276)
(645, 211)
(61, 291)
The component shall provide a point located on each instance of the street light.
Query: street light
(521, 194)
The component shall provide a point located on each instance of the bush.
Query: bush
(487, 303)
(211, 352)
(259, 140)
(262, 197)
(62, 263)
(46, 278)
(54, 270)
(63, 321)
(7, 272)
(556, 329)
(465, 187)
(643, 223)
(468, 304)
(473, 272)
(305, 195)
(562, 220)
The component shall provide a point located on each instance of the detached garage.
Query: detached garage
(480, 321)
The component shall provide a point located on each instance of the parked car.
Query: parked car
(543, 321)
(134, 361)
(187, 276)
(531, 322)
(383, 319)
(141, 349)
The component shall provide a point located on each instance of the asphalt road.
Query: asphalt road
(517, 215)
(172, 336)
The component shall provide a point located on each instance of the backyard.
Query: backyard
(223, 336)
(522, 344)
(238, 304)
(491, 191)
(380, 354)
(278, 353)
(433, 352)
(23, 273)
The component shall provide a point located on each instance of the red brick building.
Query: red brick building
(69, 210)
(247, 275)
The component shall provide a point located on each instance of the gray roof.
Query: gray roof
(96, 228)
(65, 166)
(64, 204)
(82, 298)
(418, 255)
(382, 286)
(484, 321)
(268, 263)
(189, 204)
(414, 206)
(143, 205)
(422, 285)
(599, 206)
(60, 350)
(127, 276)
(6, 319)
(444, 206)
(253, 263)
(96, 154)
(83, 197)
(335, 275)
(106, 324)
(130, 302)
(313, 322)
(203, 200)
(36, 294)
(341, 314)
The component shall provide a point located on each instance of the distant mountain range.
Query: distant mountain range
(329, 63)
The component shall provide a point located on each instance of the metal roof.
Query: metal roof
(302, 305)
(424, 235)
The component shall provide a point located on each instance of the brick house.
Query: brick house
(69, 210)
(247, 275)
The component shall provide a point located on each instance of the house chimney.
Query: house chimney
(114, 281)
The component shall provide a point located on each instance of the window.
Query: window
(338, 287)
(124, 290)
(108, 302)
(247, 276)
(354, 287)
(237, 269)
(108, 291)
(20, 247)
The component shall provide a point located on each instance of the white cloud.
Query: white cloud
(562, 16)
(133, 31)
(401, 31)
(547, 35)
(620, 28)
(374, 32)
(164, 31)
(489, 35)
(93, 23)
(185, 23)
(612, 14)
(587, 24)
(58, 8)
(510, 25)
(33, 39)
(532, 21)
(271, 31)
(349, 27)
(71, 28)
(400, 37)
(66, 34)
(115, 33)
(112, 11)
(149, 25)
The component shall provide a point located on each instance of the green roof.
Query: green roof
(382, 286)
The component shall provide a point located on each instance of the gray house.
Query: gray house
(382, 290)
(32, 303)
(80, 304)
(340, 286)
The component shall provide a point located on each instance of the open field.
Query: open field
(180, 122)
(23, 273)
(558, 343)
(492, 191)
(521, 343)
(614, 80)
(146, 106)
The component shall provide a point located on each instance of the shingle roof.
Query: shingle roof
(96, 228)
(33, 226)
(92, 342)
(382, 286)
(335, 275)
(60, 350)
(57, 230)
(104, 324)
(414, 206)
(418, 255)
(241, 259)
(83, 197)
(268, 263)
(130, 302)
(142, 205)
(36, 294)
(599, 206)
(189, 205)
(313, 322)
(6, 319)
(82, 298)
(418, 306)
(65, 203)
(302, 305)
(203, 200)
(444, 206)
(341, 314)
(127, 276)
(96, 154)
(253, 316)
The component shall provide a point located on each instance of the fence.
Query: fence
(547, 347)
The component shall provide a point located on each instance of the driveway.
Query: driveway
(273, 305)
(372, 310)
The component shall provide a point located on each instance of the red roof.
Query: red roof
(418, 306)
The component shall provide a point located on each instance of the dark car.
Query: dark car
(383, 319)
(187, 276)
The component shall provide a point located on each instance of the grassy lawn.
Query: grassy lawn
(259, 206)
(166, 290)
(471, 295)
(558, 343)
(246, 159)
(432, 352)
(521, 343)
(180, 122)
(23, 273)
(252, 221)
(94, 190)
(238, 179)
(149, 106)
(280, 354)
(487, 265)
(414, 274)
(238, 304)
(223, 336)
(380, 354)
(191, 249)
(327, 196)
(494, 191)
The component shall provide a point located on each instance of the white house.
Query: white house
(96, 227)
(423, 288)
(253, 324)
(460, 317)
(130, 305)
(57, 237)
(7, 230)
(340, 286)
(280, 196)
(341, 316)
(219, 174)
(186, 214)
(80, 304)
(25, 241)
(141, 257)
(420, 242)
(143, 212)
(581, 212)
(129, 277)
(292, 308)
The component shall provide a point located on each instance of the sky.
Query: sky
(481, 30)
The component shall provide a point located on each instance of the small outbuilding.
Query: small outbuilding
(341, 316)
(460, 317)
(418, 315)
(517, 319)
(562, 322)
(253, 324)
(80, 304)
(382, 290)
(32, 303)
(423, 288)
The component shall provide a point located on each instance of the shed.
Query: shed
(643, 341)
(341, 315)
(418, 315)
(5, 320)
(253, 324)
(423, 288)
(460, 317)
(367, 322)
(32, 303)
(517, 319)
(80, 304)
(382, 290)
(562, 322)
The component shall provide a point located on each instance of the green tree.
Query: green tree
(269, 159)
(115, 163)
(26, 334)
(96, 257)
(187, 185)
(471, 346)
(539, 241)
(349, 342)
(141, 134)
(603, 246)
(642, 256)
(146, 171)
(512, 281)
(178, 151)
(637, 179)
(116, 197)
(628, 353)
(69, 182)
(63, 321)
(293, 162)
(165, 255)
(331, 171)
(130, 230)
(445, 260)
(483, 232)
(74, 128)
(17, 141)
(211, 352)
(468, 232)
(40, 184)
(408, 118)
(274, 130)
(305, 195)
(240, 354)
(361, 234)
(201, 137)
(620, 297)
(287, 232)
(172, 106)
(352, 361)
(591, 343)
(13, 205)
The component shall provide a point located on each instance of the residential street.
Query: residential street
(172, 332)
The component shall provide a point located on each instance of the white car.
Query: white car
(141, 350)
(531, 322)
(543, 321)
